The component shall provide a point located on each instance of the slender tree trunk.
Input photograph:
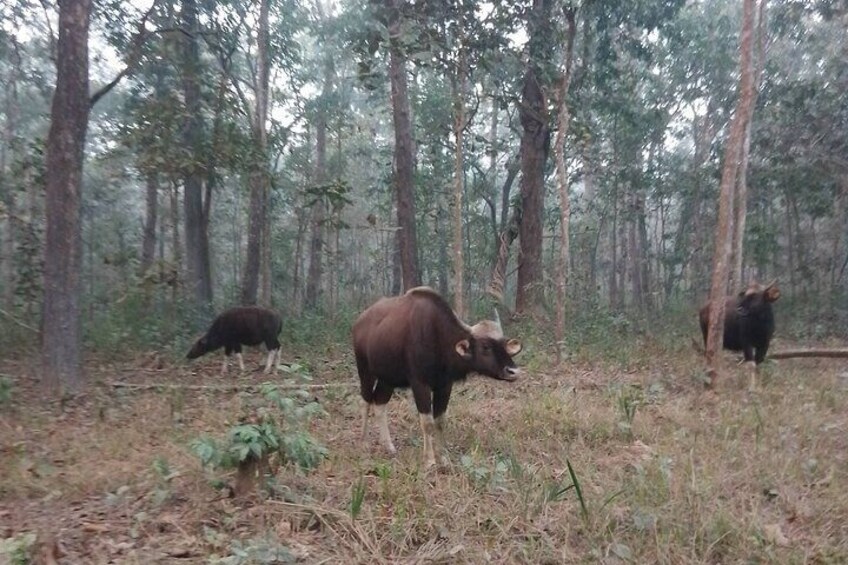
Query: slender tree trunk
(10, 128)
(176, 244)
(258, 178)
(733, 151)
(740, 194)
(404, 152)
(458, 84)
(198, 275)
(151, 213)
(563, 119)
(61, 351)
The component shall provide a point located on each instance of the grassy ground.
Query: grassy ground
(667, 473)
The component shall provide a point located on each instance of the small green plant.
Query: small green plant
(259, 442)
(357, 498)
(255, 551)
(628, 401)
(164, 476)
(17, 550)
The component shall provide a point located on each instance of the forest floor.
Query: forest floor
(668, 473)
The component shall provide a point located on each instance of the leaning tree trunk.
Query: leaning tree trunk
(740, 194)
(563, 118)
(62, 333)
(403, 159)
(733, 152)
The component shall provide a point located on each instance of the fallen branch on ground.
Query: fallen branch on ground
(18, 322)
(221, 388)
(790, 353)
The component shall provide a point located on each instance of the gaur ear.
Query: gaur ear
(463, 347)
(772, 294)
(513, 347)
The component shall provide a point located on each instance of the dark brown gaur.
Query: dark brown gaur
(416, 340)
(748, 323)
(242, 325)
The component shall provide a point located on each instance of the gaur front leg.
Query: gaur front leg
(441, 397)
(751, 367)
(424, 402)
(382, 395)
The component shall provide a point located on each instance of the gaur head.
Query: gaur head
(489, 353)
(200, 347)
(756, 298)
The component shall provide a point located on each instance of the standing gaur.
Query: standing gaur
(748, 323)
(416, 340)
(242, 325)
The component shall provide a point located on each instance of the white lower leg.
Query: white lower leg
(382, 414)
(752, 374)
(270, 359)
(428, 428)
(241, 361)
(224, 364)
(440, 439)
(279, 359)
(366, 412)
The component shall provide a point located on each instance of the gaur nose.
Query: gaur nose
(513, 371)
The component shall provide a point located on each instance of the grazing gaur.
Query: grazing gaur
(416, 340)
(242, 325)
(748, 322)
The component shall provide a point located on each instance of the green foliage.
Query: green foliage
(263, 437)
(254, 551)
(17, 550)
(357, 497)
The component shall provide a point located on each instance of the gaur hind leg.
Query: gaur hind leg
(382, 395)
(750, 367)
(273, 347)
(441, 397)
(424, 402)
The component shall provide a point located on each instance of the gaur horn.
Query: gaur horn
(498, 319)
(771, 284)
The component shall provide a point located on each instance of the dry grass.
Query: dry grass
(695, 478)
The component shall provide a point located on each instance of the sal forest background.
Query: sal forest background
(596, 171)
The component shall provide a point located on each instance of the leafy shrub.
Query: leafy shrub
(272, 434)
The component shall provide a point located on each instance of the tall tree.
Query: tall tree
(535, 146)
(199, 278)
(740, 193)
(563, 119)
(730, 167)
(404, 151)
(259, 174)
(61, 349)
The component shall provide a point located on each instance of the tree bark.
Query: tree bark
(458, 84)
(61, 351)
(563, 120)
(404, 152)
(151, 213)
(740, 194)
(259, 179)
(198, 275)
(733, 152)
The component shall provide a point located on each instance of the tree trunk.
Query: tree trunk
(62, 333)
(458, 84)
(176, 244)
(404, 152)
(563, 119)
(733, 152)
(10, 128)
(198, 275)
(259, 181)
(151, 213)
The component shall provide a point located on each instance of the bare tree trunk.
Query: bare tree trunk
(563, 119)
(9, 201)
(740, 194)
(151, 213)
(198, 274)
(61, 351)
(404, 153)
(258, 208)
(458, 84)
(733, 152)
(177, 248)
